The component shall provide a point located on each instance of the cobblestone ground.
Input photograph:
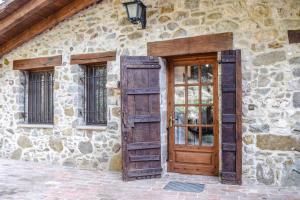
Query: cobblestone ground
(25, 180)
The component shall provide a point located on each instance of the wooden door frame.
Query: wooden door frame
(194, 45)
(170, 105)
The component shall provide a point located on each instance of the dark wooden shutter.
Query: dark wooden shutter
(140, 117)
(231, 117)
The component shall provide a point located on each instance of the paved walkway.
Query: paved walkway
(34, 181)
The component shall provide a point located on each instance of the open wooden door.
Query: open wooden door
(231, 117)
(140, 117)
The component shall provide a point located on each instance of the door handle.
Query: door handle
(171, 121)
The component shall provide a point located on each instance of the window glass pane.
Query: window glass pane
(179, 75)
(207, 136)
(179, 135)
(207, 114)
(179, 115)
(207, 73)
(192, 73)
(193, 135)
(193, 94)
(179, 95)
(193, 115)
(207, 94)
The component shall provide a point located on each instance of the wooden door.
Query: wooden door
(140, 117)
(231, 117)
(193, 115)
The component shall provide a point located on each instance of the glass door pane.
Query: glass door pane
(179, 96)
(193, 135)
(207, 73)
(179, 75)
(179, 135)
(207, 136)
(193, 74)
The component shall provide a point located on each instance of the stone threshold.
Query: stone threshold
(42, 126)
(87, 127)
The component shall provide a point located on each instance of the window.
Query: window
(40, 97)
(95, 95)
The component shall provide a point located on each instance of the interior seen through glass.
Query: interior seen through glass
(193, 101)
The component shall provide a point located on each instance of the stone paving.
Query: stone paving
(34, 181)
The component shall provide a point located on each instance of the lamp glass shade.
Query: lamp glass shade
(132, 9)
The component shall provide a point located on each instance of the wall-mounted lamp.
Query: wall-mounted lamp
(136, 12)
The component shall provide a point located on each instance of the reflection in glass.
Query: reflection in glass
(192, 73)
(179, 115)
(179, 95)
(207, 136)
(207, 94)
(179, 74)
(179, 135)
(193, 95)
(193, 135)
(207, 115)
(193, 115)
(207, 73)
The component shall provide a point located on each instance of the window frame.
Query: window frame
(44, 114)
(90, 99)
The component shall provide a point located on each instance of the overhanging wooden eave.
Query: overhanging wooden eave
(46, 23)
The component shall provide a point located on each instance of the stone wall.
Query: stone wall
(271, 81)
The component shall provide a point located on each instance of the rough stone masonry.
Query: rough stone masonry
(271, 81)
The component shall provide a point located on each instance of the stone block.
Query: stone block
(263, 128)
(296, 99)
(56, 144)
(269, 58)
(115, 163)
(277, 142)
(85, 147)
(265, 174)
(24, 142)
(16, 155)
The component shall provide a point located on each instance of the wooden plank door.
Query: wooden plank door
(140, 117)
(193, 115)
(231, 117)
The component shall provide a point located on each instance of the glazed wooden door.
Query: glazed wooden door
(193, 115)
(140, 117)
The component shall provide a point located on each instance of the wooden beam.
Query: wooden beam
(22, 13)
(294, 36)
(37, 63)
(67, 11)
(93, 58)
(192, 45)
(9, 6)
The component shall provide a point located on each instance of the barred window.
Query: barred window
(95, 95)
(40, 97)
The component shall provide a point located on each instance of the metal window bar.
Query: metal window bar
(95, 95)
(40, 98)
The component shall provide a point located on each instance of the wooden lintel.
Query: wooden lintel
(294, 36)
(67, 11)
(37, 63)
(193, 45)
(92, 58)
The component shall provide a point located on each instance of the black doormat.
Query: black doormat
(184, 187)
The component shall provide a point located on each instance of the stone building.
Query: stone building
(270, 65)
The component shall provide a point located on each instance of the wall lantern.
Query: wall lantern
(136, 12)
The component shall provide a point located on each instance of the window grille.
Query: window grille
(40, 98)
(95, 95)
